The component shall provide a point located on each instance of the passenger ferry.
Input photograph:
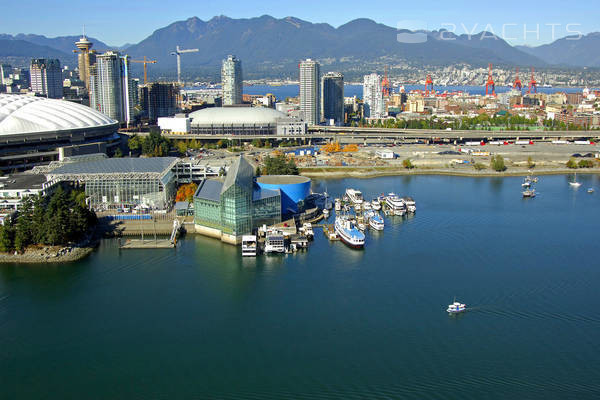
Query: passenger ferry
(411, 206)
(355, 196)
(395, 204)
(349, 233)
(249, 246)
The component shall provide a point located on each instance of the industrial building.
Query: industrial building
(116, 183)
(294, 190)
(33, 130)
(257, 121)
(232, 207)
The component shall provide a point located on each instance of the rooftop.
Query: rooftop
(282, 179)
(155, 165)
(22, 182)
(236, 116)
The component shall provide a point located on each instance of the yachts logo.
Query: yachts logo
(411, 31)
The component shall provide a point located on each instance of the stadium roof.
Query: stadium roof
(21, 114)
(236, 116)
(132, 168)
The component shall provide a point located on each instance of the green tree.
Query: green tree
(497, 163)
(479, 166)
(135, 143)
(23, 231)
(6, 237)
(408, 164)
(118, 152)
(572, 164)
(280, 165)
(530, 162)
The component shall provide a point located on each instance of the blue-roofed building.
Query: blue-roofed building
(232, 207)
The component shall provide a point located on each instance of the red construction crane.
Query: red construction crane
(490, 83)
(385, 83)
(518, 83)
(532, 83)
(429, 85)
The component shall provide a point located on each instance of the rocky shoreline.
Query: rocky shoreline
(51, 254)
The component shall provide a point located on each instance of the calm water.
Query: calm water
(201, 322)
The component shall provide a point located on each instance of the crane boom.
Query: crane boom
(145, 62)
(178, 52)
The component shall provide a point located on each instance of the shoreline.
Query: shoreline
(52, 254)
(368, 172)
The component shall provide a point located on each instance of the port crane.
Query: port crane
(532, 83)
(518, 84)
(145, 62)
(429, 85)
(178, 52)
(490, 86)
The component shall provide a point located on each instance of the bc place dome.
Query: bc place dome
(37, 130)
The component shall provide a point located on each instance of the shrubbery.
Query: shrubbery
(497, 163)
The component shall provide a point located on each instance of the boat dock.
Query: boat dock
(147, 244)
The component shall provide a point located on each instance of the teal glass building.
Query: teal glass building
(232, 207)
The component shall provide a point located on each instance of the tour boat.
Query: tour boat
(349, 233)
(355, 196)
(375, 205)
(395, 204)
(456, 307)
(375, 221)
(249, 246)
(366, 206)
(411, 206)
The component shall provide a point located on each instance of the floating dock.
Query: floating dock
(147, 244)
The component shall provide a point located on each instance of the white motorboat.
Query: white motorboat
(591, 190)
(338, 205)
(249, 246)
(411, 206)
(366, 206)
(375, 220)
(308, 230)
(575, 183)
(348, 233)
(355, 196)
(325, 213)
(456, 307)
(375, 205)
(529, 193)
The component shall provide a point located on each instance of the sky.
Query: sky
(117, 22)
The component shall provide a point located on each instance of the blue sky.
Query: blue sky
(117, 22)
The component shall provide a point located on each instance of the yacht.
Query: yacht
(375, 205)
(274, 243)
(249, 246)
(355, 196)
(411, 206)
(349, 233)
(395, 204)
(456, 307)
(375, 220)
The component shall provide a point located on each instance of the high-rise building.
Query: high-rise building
(373, 96)
(5, 71)
(159, 99)
(332, 98)
(85, 58)
(309, 91)
(46, 78)
(232, 81)
(111, 89)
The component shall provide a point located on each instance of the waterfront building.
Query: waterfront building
(294, 190)
(111, 88)
(373, 96)
(225, 121)
(229, 208)
(115, 183)
(46, 78)
(35, 131)
(309, 91)
(332, 98)
(85, 59)
(16, 187)
(232, 81)
(159, 99)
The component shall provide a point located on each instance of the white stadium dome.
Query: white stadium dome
(20, 114)
(236, 116)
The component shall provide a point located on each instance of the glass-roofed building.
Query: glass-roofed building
(229, 208)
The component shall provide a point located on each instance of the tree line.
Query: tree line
(55, 220)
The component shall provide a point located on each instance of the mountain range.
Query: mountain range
(270, 47)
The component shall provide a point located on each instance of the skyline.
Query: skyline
(511, 17)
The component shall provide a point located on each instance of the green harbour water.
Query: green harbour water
(329, 323)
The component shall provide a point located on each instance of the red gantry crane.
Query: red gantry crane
(490, 86)
(429, 85)
(532, 83)
(518, 84)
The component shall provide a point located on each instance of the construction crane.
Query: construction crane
(385, 83)
(145, 62)
(490, 83)
(518, 84)
(429, 85)
(178, 52)
(532, 83)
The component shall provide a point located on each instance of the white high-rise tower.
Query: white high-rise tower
(309, 91)
(232, 81)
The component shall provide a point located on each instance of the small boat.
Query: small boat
(456, 307)
(366, 206)
(249, 245)
(308, 230)
(375, 205)
(526, 184)
(591, 190)
(355, 196)
(338, 205)
(348, 233)
(326, 212)
(411, 206)
(376, 222)
(529, 193)
(575, 183)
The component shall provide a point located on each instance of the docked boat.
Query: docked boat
(375, 205)
(274, 243)
(366, 206)
(355, 196)
(395, 204)
(308, 230)
(375, 220)
(411, 206)
(529, 193)
(338, 205)
(346, 229)
(325, 213)
(456, 307)
(249, 246)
